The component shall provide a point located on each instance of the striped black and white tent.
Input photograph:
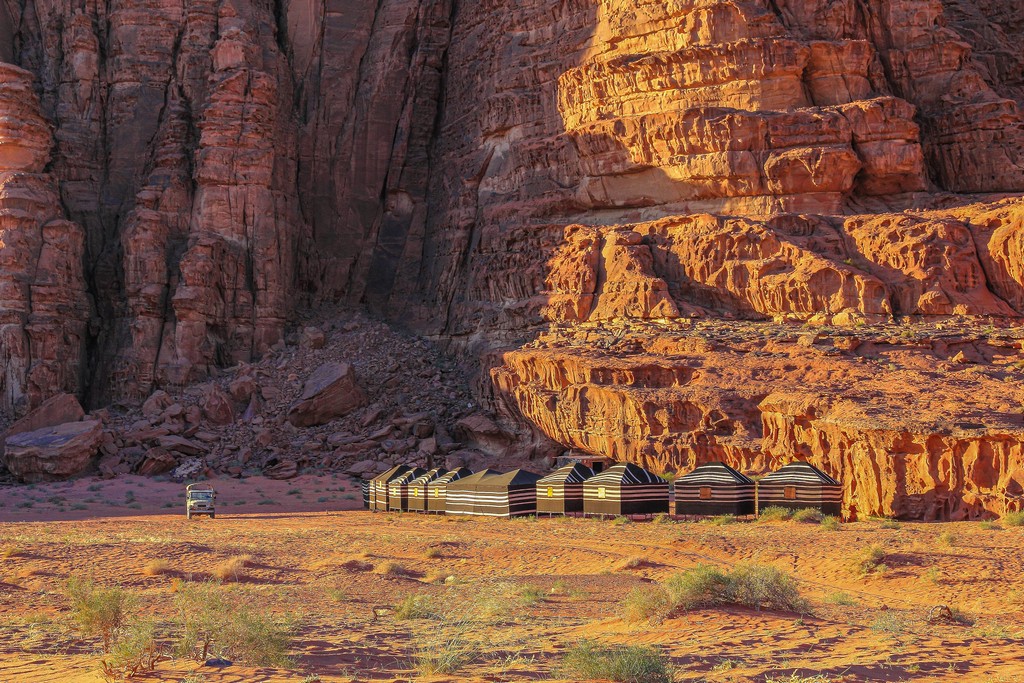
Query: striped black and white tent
(417, 489)
(625, 489)
(364, 486)
(398, 489)
(493, 494)
(715, 489)
(379, 487)
(437, 490)
(562, 490)
(800, 485)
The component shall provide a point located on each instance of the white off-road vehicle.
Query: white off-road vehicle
(200, 499)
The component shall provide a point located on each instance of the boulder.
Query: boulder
(329, 393)
(217, 406)
(180, 444)
(157, 461)
(156, 403)
(280, 468)
(53, 453)
(482, 433)
(59, 409)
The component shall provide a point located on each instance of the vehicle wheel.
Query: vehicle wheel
(188, 515)
(213, 515)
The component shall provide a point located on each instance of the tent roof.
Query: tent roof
(453, 475)
(396, 471)
(800, 473)
(576, 473)
(497, 480)
(429, 476)
(626, 473)
(714, 473)
(408, 476)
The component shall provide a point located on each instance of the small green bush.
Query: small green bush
(1014, 518)
(840, 598)
(889, 523)
(134, 651)
(701, 586)
(415, 607)
(99, 612)
(759, 586)
(808, 516)
(646, 603)
(723, 520)
(830, 523)
(774, 513)
(869, 560)
(531, 595)
(589, 661)
(947, 539)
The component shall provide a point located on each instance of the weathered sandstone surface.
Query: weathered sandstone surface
(53, 453)
(179, 178)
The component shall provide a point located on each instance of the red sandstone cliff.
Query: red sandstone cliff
(178, 177)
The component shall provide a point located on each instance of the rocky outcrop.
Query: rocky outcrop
(44, 310)
(56, 410)
(53, 453)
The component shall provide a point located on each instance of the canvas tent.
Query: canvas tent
(418, 489)
(715, 489)
(398, 489)
(562, 490)
(493, 494)
(625, 489)
(379, 487)
(365, 487)
(437, 490)
(800, 485)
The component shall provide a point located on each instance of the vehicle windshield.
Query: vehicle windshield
(200, 495)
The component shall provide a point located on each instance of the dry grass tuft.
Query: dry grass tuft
(869, 560)
(636, 562)
(391, 568)
(156, 568)
(233, 568)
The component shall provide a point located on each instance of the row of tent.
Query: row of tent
(623, 489)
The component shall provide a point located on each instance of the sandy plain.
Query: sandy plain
(336, 570)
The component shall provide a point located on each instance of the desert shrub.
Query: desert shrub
(774, 513)
(257, 638)
(207, 622)
(589, 661)
(233, 568)
(156, 567)
(932, 575)
(840, 598)
(559, 587)
(531, 595)
(807, 515)
(448, 647)
(947, 539)
(760, 585)
(620, 520)
(889, 523)
(415, 607)
(1014, 518)
(432, 553)
(701, 586)
(749, 584)
(646, 603)
(868, 560)
(830, 523)
(989, 525)
(134, 651)
(723, 520)
(99, 612)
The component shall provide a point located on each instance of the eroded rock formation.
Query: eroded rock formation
(482, 172)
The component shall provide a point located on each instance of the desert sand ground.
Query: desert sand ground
(549, 582)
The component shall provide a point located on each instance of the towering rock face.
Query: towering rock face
(44, 309)
(485, 171)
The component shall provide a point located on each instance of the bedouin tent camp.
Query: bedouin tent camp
(418, 489)
(379, 487)
(437, 490)
(562, 490)
(800, 485)
(398, 489)
(715, 489)
(625, 489)
(493, 494)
